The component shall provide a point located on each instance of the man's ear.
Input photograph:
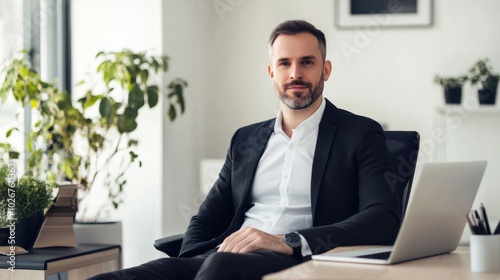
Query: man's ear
(327, 70)
(270, 71)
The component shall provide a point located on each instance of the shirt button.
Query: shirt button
(268, 223)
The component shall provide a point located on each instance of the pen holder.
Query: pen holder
(485, 253)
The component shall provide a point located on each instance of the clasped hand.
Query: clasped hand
(249, 239)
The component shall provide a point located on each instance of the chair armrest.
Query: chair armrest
(170, 245)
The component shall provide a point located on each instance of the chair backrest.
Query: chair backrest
(403, 148)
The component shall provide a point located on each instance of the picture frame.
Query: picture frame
(351, 14)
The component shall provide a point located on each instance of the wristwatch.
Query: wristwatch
(293, 240)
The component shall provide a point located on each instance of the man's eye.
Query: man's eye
(283, 63)
(307, 62)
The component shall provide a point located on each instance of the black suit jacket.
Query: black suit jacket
(352, 202)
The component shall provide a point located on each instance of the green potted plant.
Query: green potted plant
(452, 88)
(482, 74)
(22, 204)
(101, 120)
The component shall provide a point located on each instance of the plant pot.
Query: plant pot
(487, 96)
(453, 95)
(4, 236)
(25, 232)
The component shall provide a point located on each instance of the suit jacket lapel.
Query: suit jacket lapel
(327, 131)
(258, 144)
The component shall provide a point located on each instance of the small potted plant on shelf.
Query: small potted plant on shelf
(482, 73)
(22, 204)
(452, 88)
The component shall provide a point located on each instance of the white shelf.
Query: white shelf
(482, 109)
(471, 133)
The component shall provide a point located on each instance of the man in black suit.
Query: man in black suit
(310, 180)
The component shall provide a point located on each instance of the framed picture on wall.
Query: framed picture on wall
(383, 13)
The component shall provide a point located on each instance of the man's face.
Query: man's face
(297, 70)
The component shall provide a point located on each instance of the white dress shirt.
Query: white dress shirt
(281, 190)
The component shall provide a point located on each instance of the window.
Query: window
(12, 34)
(42, 27)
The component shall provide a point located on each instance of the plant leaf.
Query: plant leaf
(29, 144)
(9, 132)
(92, 100)
(105, 108)
(34, 103)
(126, 125)
(13, 155)
(133, 156)
(132, 142)
(130, 113)
(152, 92)
(136, 98)
(99, 54)
(171, 112)
(38, 123)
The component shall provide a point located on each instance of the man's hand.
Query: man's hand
(250, 239)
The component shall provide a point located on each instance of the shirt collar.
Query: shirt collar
(309, 124)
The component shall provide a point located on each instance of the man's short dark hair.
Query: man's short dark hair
(292, 27)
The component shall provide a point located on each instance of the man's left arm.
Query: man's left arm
(378, 218)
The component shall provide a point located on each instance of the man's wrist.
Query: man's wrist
(286, 248)
(294, 241)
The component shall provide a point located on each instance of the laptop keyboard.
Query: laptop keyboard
(377, 256)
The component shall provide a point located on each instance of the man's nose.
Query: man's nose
(295, 73)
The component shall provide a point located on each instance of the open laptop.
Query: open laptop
(435, 217)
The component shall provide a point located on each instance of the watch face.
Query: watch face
(293, 239)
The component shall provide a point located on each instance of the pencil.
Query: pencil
(485, 220)
(471, 224)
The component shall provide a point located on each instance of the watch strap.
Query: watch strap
(294, 240)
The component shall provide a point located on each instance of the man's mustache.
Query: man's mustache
(297, 83)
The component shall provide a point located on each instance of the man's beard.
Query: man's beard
(304, 99)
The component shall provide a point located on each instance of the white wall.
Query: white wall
(113, 25)
(186, 30)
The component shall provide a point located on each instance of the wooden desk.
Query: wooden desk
(80, 262)
(453, 266)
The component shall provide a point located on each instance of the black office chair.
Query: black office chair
(403, 148)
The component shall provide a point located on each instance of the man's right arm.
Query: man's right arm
(215, 213)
